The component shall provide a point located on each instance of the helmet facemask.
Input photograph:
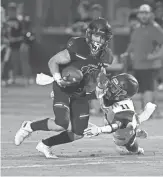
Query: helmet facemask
(96, 41)
(115, 91)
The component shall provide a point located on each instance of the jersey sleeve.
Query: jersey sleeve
(71, 45)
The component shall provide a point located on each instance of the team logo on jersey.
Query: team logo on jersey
(89, 69)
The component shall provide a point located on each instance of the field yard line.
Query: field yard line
(85, 139)
(35, 141)
(80, 164)
(88, 158)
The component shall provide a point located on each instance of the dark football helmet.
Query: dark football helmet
(98, 35)
(121, 87)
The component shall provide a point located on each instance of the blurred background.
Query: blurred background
(46, 25)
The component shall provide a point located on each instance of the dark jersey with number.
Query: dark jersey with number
(82, 59)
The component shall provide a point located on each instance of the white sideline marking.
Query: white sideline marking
(85, 139)
(35, 141)
(80, 164)
(88, 158)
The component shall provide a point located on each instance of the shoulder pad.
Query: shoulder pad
(71, 44)
(76, 45)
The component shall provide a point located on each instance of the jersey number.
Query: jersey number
(124, 106)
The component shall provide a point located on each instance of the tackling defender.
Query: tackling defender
(70, 105)
(115, 96)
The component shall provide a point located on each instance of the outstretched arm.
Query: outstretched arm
(95, 130)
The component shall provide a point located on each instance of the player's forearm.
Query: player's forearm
(60, 58)
(110, 128)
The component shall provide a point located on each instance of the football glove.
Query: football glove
(102, 84)
(92, 131)
(62, 82)
(102, 81)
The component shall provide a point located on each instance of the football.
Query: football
(72, 74)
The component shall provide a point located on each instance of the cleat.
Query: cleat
(140, 151)
(46, 150)
(23, 133)
(123, 151)
(141, 134)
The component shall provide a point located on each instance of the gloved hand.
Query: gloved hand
(102, 80)
(102, 84)
(62, 82)
(92, 131)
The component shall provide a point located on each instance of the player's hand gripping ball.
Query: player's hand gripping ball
(72, 75)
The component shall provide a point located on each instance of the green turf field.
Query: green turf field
(85, 157)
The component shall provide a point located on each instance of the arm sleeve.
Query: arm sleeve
(110, 128)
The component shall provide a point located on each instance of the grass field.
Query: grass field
(95, 156)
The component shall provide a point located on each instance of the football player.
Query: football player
(115, 97)
(70, 104)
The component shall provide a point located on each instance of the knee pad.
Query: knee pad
(62, 115)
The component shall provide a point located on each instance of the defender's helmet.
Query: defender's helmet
(122, 86)
(98, 35)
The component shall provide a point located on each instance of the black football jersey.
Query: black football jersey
(82, 59)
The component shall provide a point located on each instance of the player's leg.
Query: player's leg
(60, 121)
(133, 147)
(15, 58)
(79, 121)
(79, 117)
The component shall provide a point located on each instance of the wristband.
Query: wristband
(106, 129)
(57, 76)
